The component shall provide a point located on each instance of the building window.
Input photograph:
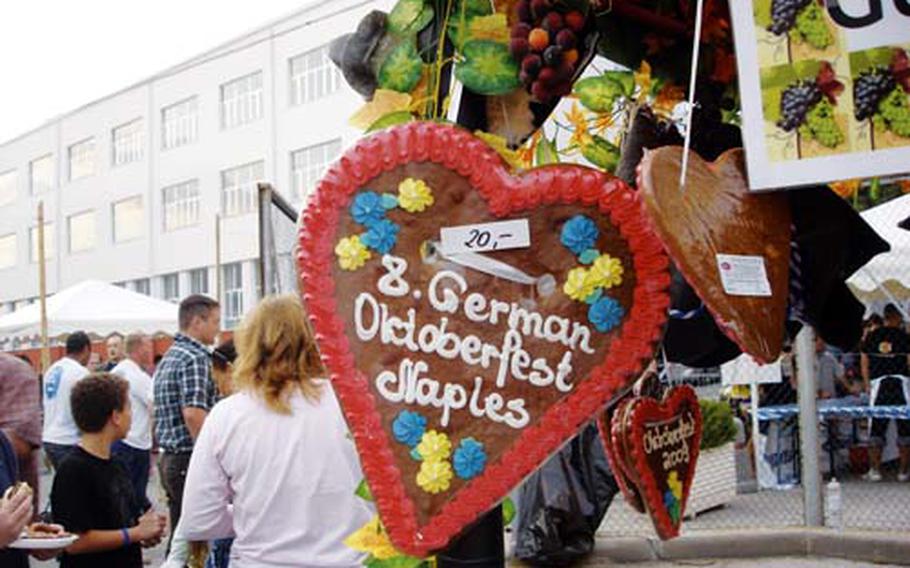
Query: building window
(233, 294)
(171, 287)
(313, 76)
(309, 164)
(241, 100)
(41, 174)
(128, 143)
(49, 248)
(181, 205)
(82, 159)
(128, 218)
(82, 231)
(142, 285)
(8, 193)
(238, 188)
(8, 256)
(199, 281)
(179, 123)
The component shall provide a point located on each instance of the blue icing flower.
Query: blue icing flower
(408, 427)
(469, 459)
(367, 208)
(589, 256)
(579, 234)
(605, 314)
(382, 236)
(389, 201)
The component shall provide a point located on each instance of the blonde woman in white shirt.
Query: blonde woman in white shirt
(273, 466)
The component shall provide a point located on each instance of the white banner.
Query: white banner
(825, 89)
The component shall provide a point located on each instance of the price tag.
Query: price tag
(743, 275)
(484, 237)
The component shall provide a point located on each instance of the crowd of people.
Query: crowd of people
(252, 450)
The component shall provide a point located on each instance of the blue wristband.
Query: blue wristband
(126, 537)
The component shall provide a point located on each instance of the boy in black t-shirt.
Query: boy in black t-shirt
(92, 495)
(885, 358)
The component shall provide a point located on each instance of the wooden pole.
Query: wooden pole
(42, 291)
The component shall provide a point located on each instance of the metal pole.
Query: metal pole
(42, 292)
(756, 450)
(804, 348)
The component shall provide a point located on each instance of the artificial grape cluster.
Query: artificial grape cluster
(546, 40)
(821, 124)
(812, 27)
(869, 89)
(783, 14)
(795, 102)
(895, 111)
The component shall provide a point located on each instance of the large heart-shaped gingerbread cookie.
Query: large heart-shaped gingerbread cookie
(458, 381)
(715, 213)
(661, 441)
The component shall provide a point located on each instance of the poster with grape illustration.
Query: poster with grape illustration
(825, 88)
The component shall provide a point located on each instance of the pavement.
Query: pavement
(759, 529)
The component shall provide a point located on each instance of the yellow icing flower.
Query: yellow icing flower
(606, 271)
(434, 446)
(434, 476)
(372, 539)
(352, 254)
(414, 195)
(675, 485)
(579, 284)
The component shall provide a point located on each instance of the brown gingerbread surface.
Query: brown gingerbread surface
(457, 203)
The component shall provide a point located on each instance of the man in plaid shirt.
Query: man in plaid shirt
(184, 394)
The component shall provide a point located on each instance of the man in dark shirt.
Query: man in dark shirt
(184, 394)
(92, 495)
(885, 366)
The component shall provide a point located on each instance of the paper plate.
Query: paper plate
(25, 543)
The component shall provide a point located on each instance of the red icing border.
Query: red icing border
(650, 410)
(505, 194)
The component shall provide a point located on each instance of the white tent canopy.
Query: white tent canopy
(888, 272)
(94, 307)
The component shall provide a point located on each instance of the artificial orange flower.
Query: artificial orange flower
(525, 154)
(904, 184)
(668, 97)
(845, 188)
(724, 66)
(576, 117)
(643, 80)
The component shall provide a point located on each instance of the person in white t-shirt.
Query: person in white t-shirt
(60, 434)
(134, 451)
(273, 465)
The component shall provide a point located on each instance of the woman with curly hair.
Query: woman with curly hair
(274, 466)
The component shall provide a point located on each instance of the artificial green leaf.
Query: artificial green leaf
(625, 79)
(473, 7)
(598, 94)
(404, 15)
(402, 68)
(508, 511)
(422, 21)
(363, 491)
(875, 189)
(762, 12)
(546, 152)
(394, 562)
(488, 68)
(458, 29)
(391, 119)
(601, 153)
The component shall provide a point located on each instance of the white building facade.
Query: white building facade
(132, 183)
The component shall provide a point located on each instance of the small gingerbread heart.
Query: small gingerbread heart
(716, 214)
(662, 443)
(610, 427)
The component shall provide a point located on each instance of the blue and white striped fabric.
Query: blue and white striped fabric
(846, 411)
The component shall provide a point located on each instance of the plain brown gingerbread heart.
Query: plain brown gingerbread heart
(717, 214)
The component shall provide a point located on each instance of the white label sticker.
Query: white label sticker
(484, 237)
(743, 275)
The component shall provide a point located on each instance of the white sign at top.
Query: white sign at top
(825, 89)
(485, 237)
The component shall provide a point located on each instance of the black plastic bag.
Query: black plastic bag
(562, 504)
